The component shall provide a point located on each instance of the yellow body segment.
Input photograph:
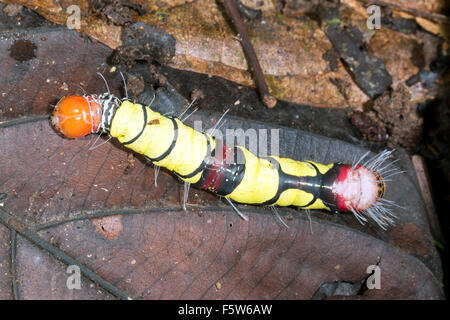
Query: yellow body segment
(181, 149)
(260, 182)
(157, 137)
(297, 197)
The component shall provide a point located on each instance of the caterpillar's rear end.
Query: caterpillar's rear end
(232, 171)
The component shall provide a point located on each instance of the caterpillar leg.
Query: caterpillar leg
(95, 145)
(187, 185)
(190, 114)
(212, 130)
(243, 216)
(308, 214)
(275, 211)
(180, 116)
(124, 85)
(106, 82)
(157, 169)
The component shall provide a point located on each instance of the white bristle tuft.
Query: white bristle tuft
(381, 212)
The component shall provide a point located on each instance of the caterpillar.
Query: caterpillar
(201, 160)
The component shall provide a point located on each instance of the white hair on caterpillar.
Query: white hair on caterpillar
(380, 210)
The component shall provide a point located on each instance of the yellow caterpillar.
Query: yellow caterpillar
(199, 159)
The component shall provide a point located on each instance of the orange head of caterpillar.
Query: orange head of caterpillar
(77, 116)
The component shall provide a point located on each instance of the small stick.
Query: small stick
(13, 265)
(269, 100)
(437, 17)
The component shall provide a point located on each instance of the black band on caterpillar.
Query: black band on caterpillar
(144, 124)
(202, 165)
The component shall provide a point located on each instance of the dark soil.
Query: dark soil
(22, 50)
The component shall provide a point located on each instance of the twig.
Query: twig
(437, 17)
(15, 224)
(13, 267)
(269, 100)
